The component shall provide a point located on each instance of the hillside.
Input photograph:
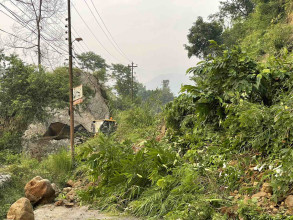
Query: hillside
(222, 149)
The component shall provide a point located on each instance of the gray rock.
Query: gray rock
(34, 142)
(4, 179)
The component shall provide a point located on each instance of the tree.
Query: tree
(94, 63)
(25, 92)
(34, 19)
(91, 61)
(200, 35)
(123, 80)
(236, 9)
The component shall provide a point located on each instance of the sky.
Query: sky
(151, 33)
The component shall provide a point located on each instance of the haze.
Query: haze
(150, 32)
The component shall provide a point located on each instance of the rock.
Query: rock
(39, 191)
(78, 184)
(67, 189)
(21, 210)
(69, 204)
(266, 187)
(260, 195)
(289, 201)
(71, 196)
(70, 183)
(4, 179)
(57, 190)
(59, 203)
(41, 139)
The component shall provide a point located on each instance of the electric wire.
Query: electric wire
(53, 38)
(17, 37)
(93, 33)
(103, 29)
(109, 31)
(21, 22)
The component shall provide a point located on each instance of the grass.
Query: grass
(57, 168)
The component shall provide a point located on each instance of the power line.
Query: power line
(103, 29)
(109, 31)
(21, 22)
(17, 37)
(93, 33)
(55, 39)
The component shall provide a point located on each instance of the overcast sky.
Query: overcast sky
(150, 32)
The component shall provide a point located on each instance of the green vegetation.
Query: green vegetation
(57, 168)
(262, 27)
(203, 155)
(237, 116)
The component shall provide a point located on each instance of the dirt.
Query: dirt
(50, 212)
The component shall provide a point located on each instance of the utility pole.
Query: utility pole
(132, 68)
(71, 110)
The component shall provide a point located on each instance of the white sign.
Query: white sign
(77, 93)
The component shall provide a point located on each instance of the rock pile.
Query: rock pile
(37, 191)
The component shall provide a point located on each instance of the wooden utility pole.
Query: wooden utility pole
(71, 110)
(132, 68)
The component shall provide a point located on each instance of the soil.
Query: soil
(50, 212)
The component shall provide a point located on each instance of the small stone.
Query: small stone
(69, 204)
(59, 203)
(289, 201)
(70, 183)
(259, 195)
(275, 211)
(266, 187)
(71, 196)
(67, 189)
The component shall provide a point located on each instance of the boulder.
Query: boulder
(39, 191)
(49, 136)
(289, 201)
(21, 210)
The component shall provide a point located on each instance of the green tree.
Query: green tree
(91, 61)
(123, 80)
(234, 9)
(200, 35)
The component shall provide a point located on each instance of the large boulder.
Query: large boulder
(49, 136)
(39, 191)
(21, 210)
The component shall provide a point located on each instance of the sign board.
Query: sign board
(77, 93)
(78, 101)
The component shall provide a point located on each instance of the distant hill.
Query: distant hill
(176, 80)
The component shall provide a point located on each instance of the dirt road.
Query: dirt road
(51, 212)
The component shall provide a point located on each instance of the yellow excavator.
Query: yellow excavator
(105, 126)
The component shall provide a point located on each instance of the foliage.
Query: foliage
(235, 9)
(57, 168)
(123, 80)
(262, 27)
(200, 35)
(92, 61)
